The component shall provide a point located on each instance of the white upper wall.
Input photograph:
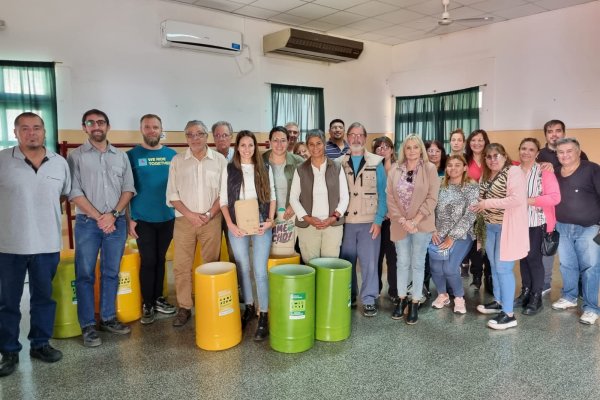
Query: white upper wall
(536, 68)
(111, 59)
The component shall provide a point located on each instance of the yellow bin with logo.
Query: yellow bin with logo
(129, 293)
(224, 257)
(66, 324)
(218, 321)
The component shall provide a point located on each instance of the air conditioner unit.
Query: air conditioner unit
(316, 46)
(202, 38)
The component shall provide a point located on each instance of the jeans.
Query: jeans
(411, 263)
(548, 262)
(153, 242)
(579, 256)
(261, 247)
(387, 249)
(502, 271)
(448, 271)
(41, 268)
(532, 266)
(89, 239)
(358, 243)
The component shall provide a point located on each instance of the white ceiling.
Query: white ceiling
(383, 21)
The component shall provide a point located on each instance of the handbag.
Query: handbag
(550, 242)
(438, 255)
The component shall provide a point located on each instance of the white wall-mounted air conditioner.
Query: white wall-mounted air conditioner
(201, 38)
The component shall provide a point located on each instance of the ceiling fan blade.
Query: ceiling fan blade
(479, 19)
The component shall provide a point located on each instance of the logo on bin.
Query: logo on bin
(74, 298)
(297, 305)
(225, 302)
(124, 283)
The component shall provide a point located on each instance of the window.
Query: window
(27, 86)
(300, 104)
(435, 116)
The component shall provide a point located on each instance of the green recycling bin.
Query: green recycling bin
(66, 324)
(334, 280)
(291, 308)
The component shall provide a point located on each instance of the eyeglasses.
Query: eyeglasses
(409, 176)
(196, 135)
(383, 147)
(221, 137)
(90, 122)
(493, 157)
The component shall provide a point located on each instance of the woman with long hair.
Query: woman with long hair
(503, 204)
(437, 155)
(412, 190)
(383, 146)
(543, 194)
(247, 178)
(454, 232)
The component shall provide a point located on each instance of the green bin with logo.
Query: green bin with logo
(66, 324)
(333, 288)
(292, 308)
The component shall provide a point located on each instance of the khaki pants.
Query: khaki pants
(320, 242)
(185, 236)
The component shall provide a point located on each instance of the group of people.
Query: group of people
(425, 212)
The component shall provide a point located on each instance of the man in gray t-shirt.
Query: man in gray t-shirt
(102, 188)
(32, 182)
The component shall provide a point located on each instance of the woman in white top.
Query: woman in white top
(247, 178)
(319, 198)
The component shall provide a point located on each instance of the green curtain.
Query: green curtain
(27, 86)
(435, 116)
(301, 104)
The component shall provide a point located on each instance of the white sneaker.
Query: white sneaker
(441, 301)
(588, 318)
(546, 291)
(563, 304)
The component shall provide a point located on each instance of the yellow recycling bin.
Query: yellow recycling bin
(282, 260)
(199, 261)
(129, 293)
(218, 323)
(66, 324)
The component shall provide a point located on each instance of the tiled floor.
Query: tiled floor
(444, 356)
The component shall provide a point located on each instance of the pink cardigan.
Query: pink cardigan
(515, 224)
(549, 198)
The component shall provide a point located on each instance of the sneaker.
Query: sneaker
(588, 318)
(502, 322)
(490, 308)
(459, 305)
(46, 353)
(369, 310)
(114, 326)
(148, 315)
(441, 301)
(563, 304)
(162, 306)
(546, 291)
(182, 317)
(90, 337)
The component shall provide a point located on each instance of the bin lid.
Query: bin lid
(292, 270)
(330, 263)
(215, 268)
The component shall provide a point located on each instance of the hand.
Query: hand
(263, 227)
(546, 166)
(204, 218)
(132, 232)
(105, 221)
(446, 244)
(375, 231)
(237, 232)
(312, 221)
(531, 201)
(326, 223)
(289, 213)
(478, 207)
(196, 219)
(435, 238)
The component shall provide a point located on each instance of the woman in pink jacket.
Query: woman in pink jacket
(543, 194)
(503, 203)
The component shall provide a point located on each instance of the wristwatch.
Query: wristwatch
(208, 214)
(336, 215)
(116, 214)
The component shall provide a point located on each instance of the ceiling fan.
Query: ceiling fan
(446, 20)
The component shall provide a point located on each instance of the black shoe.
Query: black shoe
(476, 284)
(9, 363)
(369, 310)
(490, 308)
(90, 337)
(534, 305)
(148, 315)
(399, 310)
(523, 298)
(395, 300)
(413, 313)
(262, 330)
(502, 322)
(248, 315)
(46, 353)
(114, 326)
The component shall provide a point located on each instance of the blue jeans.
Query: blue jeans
(449, 270)
(579, 256)
(411, 262)
(261, 247)
(89, 239)
(502, 271)
(41, 268)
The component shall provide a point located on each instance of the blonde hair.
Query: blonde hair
(416, 138)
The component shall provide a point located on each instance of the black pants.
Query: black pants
(153, 242)
(479, 262)
(532, 267)
(387, 249)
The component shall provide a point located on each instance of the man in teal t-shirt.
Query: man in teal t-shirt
(151, 220)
